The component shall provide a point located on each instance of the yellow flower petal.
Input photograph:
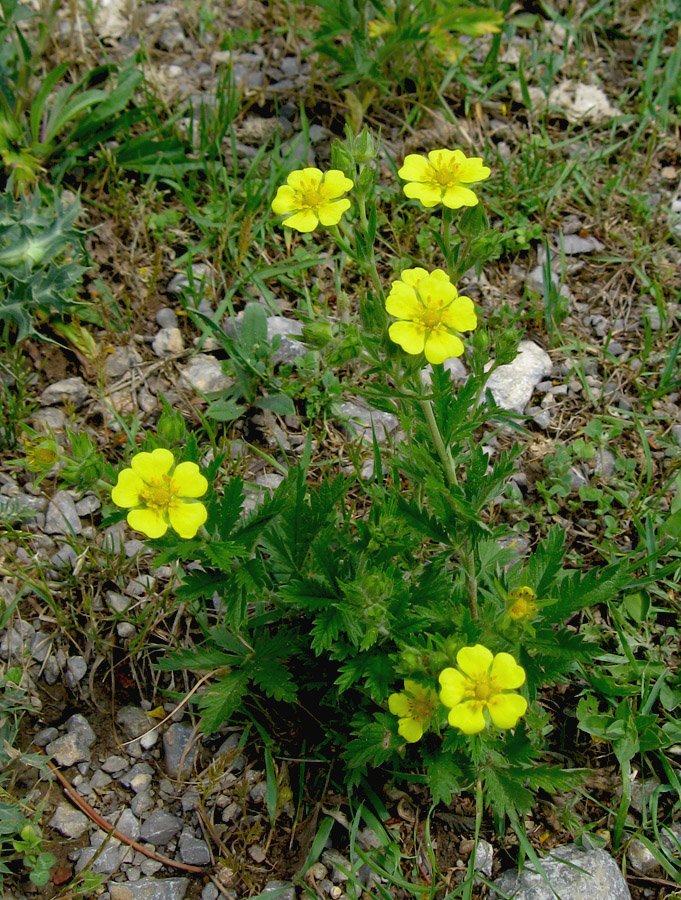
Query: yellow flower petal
(410, 729)
(187, 518)
(399, 704)
(468, 717)
(304, 178)
(414, 168)
(148, 521)
(126, 493)
(286, 200)
(304, 221)
(472, 170)
(460, 315)
(402, 301)
(506, 672)
(149, 466)
(441, 345)
(330, 213)
(453, 685)
(409, 335)
(336, 183)
(440, 275)
(428, 194)
(436, 292)
(187, 481)
(457, 196)
(506, 709)
(413, 277)
(440, 159)
(475, 661)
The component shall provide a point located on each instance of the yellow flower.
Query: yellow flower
(520, 603)
(379, 27)
(161, 495)
(415, 707)
(485, 682)
(443, 178)
(430, 309)
(313, 197)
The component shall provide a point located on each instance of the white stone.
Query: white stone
(582, 102)
(204, 373)
(512, 385)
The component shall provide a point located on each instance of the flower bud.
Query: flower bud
(171, 428)
(341, 158)
(365, 181)
(365, 146)
(317, 334)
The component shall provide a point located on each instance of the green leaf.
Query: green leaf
(253, 327)
(281, 404)
(221, 700)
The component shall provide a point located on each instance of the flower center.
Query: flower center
(421, 708)
(483, 690)
(158, 494)
(444, 175)
(431, 318)
(311, 196)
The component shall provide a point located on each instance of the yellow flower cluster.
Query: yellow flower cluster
(482, 689)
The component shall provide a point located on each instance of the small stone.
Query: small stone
(572, 873)
(127, 824)
(69, 821)
(76, 668)
(133, 547)
(114, 764)
(51, 420)
(121, 361)
(166, 317)
(604, 463)
(107, 861)
(69, 390)
(204, 374)
(210, 892)
(61, 516)
(138, 778)
(194, 851)
(179, 752)
(168, 342)
(256, 853)
(141, 803)
(640, 857)
(201, 273)
(113, 538)
(117, 602)
(574, 244)
(149, 888)
(484, 857)
(160, 828)
(615, 348)
(282, 889)
(45, 736)
(41, 646)
(652, 315)
(512, 385)
(125, 630)
(361, 418)
(88, 504)
(141, 586)
(79, 725)
(289, 349)
(68, 750)
(100, 780)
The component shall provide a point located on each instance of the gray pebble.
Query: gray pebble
(117, 602)
(512, 385)
(79, 725)
(573, 873)
(121, 361)
(210, 892)
(69, 821)
(361, 418)
(138, 778)
(68, 390)
(107, 861)
(68, 750)
(76, 668)
(141, 586)
(168, 342)
(115, 764)
(166, 317)
(45, 736)
(573, 244)
(640, 857)
(160, 827)
(150, 888)
(41, 645)
(205, 374)
(178, 750)
(283, 890)
(113, 537)
(615, 348)
(88, 504)
(141, 803)
(194, 851)
(100, 780)
(61, 516)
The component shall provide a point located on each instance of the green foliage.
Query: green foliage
(40, 255)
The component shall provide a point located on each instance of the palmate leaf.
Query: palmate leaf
(373, 744)
(445, 777)
(504, 791)
(266, 665)
(230, 507)
(222, 699)
(311, 593)
(579, 590)
(374, 670)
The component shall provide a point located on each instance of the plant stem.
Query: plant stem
(446, 239)
(467, 556)
(479, 808)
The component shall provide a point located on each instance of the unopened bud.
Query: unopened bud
(341, 158)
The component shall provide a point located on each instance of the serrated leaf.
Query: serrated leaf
(221, 700)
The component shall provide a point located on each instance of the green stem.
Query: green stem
(467, 557)
(446, 239)
(442, 451)
(479, 809)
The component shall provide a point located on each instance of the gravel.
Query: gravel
(160, 828)
(180, 750)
